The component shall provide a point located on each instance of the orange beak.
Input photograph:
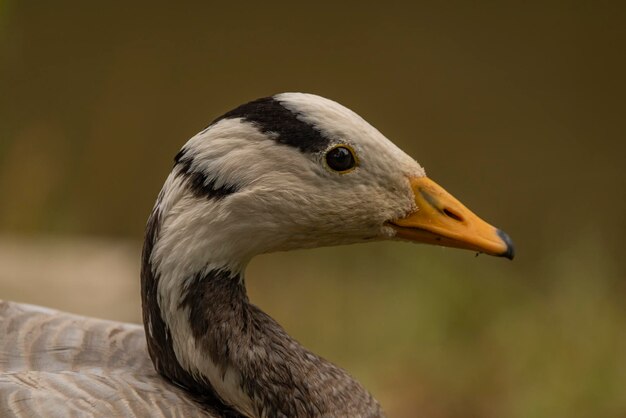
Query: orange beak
(441, 219)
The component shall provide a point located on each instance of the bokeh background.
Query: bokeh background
(517, 109)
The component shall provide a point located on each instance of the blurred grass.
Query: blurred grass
(445, 335)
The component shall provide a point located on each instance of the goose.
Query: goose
(285, 172)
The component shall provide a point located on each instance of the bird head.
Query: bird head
(297, 170)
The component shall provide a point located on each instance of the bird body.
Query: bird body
(55, 364)
(283, 172)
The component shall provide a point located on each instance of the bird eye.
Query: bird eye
(341, 158)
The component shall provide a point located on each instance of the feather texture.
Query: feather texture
(55, 364)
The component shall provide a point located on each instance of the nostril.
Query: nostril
(437, 206)
(452, 215)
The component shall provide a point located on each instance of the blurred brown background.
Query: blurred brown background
(518, 110)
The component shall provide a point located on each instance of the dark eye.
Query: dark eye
(340, 158)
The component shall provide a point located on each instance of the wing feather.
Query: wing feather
(56, 364)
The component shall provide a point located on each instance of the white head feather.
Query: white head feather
(286, 198)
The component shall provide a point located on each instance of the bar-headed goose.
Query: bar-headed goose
(284, 172)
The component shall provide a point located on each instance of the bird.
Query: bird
(288, 171)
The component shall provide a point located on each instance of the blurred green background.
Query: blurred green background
(517, 109)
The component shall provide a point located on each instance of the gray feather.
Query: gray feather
(56, 364)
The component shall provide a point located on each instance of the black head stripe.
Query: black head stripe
(271, 117)
(199, 183)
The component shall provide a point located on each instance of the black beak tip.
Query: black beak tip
(510, 248)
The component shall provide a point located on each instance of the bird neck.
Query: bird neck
(204, 335)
